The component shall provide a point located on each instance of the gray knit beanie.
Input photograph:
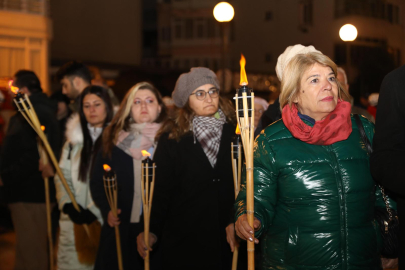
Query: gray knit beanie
(188, 82)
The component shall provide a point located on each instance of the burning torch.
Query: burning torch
(244, 100)
(110, 187)
(148, 182)
(26, 109)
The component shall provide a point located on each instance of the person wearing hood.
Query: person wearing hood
(83, 132)
(22, 176)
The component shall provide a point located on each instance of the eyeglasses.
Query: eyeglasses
(201, 94)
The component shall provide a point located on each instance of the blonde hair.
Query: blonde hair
(295, 69)
(122, 118)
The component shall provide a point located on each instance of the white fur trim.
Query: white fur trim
(74, 132)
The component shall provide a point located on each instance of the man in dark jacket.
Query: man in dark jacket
(272, 114)
(23, 181)
(75, 77)
(388, 157)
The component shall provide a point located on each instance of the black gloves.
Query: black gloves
(84, 216)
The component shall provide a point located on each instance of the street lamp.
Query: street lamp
(223, 13)
(348, 33)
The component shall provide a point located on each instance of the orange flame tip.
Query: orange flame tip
(106, 168)
(145, 153)
(237, 131)
(243, 78)
(43, 128)
(13, 88)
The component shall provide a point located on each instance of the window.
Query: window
(177, 31)
(189, 28)
(396, 15)
(268, 16)
(390, 13)
(200, 28)
(211, 27)
(306, 12)
(267, 58)
(215, 65)
(187, 64)
(165, 33)
(379, 9)
(200, 31)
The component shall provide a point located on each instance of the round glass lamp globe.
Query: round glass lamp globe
(348, 32)
(223, 12)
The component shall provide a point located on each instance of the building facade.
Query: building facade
(188, 34)
(25, 32)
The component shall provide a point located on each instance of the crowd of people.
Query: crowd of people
(315, 192)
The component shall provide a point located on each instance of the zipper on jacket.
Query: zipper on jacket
(342, 203)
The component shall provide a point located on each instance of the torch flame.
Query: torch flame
(43, 128)
(106, 168)
(243, 78)
(237, 131)
(13, 88)
(145, 153)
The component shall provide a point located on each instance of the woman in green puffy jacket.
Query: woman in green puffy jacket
(314, 195)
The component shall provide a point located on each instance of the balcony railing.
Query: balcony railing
(40, 7)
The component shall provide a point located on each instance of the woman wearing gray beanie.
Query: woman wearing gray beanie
(194, 189)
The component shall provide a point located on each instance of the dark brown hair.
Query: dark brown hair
(89, 149)
(182, 122)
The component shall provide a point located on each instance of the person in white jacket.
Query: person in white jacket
(83, 139)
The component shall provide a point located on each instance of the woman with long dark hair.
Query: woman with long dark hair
(194, 190)
(132, 130)
(83, 139)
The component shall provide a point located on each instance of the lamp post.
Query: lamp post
(223, 13)
(348, 33)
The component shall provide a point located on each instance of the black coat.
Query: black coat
(192, 203)
(122, 164)
(271, 115)
(388, 158)
(19, 156)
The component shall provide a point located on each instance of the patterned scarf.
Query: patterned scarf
(208, 131)
(337, 126)
(140, 137)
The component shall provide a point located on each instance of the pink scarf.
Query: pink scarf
(140, 137)
(337, 126)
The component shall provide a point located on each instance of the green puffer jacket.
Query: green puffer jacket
(316, 203)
